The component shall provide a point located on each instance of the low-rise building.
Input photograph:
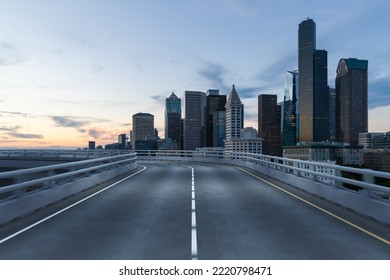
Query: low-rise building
(326, 152)
(377, 159)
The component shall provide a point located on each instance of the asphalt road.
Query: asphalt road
(220, 213)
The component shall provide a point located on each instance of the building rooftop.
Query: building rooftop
(354, 63)
(173, 96)
(233, 98)
(143, 115)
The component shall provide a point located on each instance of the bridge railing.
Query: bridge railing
(365, 181)
(58, 153)
(18, 182)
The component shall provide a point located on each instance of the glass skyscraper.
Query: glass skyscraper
(194, 121)
(313, 86)
(321, 97)
(289, 111)
(351, 100)
(219, 128)
(306, 47)
(332, 114)
(172, 120)
(215, 103)
(269, 124)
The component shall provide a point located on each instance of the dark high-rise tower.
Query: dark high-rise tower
(269, 124)
(332, 114)
(313, 86)
(289, 110)
(173, 119)
(351, 100)
(306, 47)
(194, 122)
(321, 97)
(215, 103)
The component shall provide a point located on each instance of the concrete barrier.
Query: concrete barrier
(27, 203)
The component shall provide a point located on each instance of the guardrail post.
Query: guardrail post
(338, 174)
(368, 178)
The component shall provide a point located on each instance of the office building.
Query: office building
(91, 145)
(249, 133)
(289, 110)
(326, 152)
(219, 129)
(377, 159)
(173, 121)
(332, 114)
(321, 97)
(194, 121)
(214, 103)
(247, 145)
(306, 47)
(366, 139)
(122, 143)
(143, 128)
(249, 142)
(269, 115)
(313, 101)
(381, 141)
(351, 100)
(234, 118)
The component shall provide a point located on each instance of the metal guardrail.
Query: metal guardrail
(59, 154)
(326, 173)
(25, 180)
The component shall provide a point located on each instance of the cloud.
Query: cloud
(25, 115)
(379, 91)
(95, 133)
(273, 74)
(103, 135)
(73, 122)
(160, 99)
(213, 73)
(25, 135)
(10, 128)
(250, 92)
(98, 68)
(243, 8)
(9, 54)
(79, 123)
(13, 131)
(52, 86)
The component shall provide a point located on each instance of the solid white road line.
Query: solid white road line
(70, 206)
(321, 209)
(194, 242)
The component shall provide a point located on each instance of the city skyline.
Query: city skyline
(75, 72)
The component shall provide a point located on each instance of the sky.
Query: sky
(77, 70)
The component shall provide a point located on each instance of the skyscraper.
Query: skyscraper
(122, 141)
(269, 124)
(321, 96)
(234, 118)
(332, 114)
(351, 100)
(172, 120)
(306, 47)
(194, 122)
(143, 128)
(215, 103)
(313, 86)
(219, 128)
(289, 110)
